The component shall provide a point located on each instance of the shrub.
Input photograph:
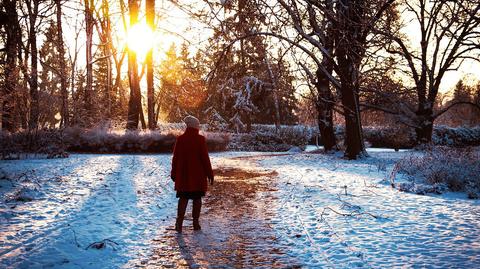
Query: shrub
(54, 143)
(404, 137)
(457, 137)
(217, 141)
(266, 138)
(458, 169)
(104, 141)
(390, 137)
(45, 142)
(257, 142)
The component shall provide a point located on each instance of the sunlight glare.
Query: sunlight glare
(140, 39)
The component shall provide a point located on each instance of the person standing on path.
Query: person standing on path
(191, 168)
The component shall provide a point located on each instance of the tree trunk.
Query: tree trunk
(109, 86)
(152, 124)
(33, 81)
(349, 54)
(106, 39)
(142, 120)
(118, 86)
(89, 5)
(353, 129)
(275, 95)
(424, 134)
(241, 21)
(63, 67)
(12, 30)
(324, 107)
(425, 120)
(350, 101)
(22, 103)
(134, 104)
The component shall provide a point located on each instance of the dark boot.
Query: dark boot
(197, 206)
(182, 207)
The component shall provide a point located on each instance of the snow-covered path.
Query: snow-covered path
(301, 210)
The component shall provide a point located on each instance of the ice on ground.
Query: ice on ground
(312, 210)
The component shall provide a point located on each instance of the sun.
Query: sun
(140, 39)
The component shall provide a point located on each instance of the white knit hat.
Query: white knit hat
(192, 122)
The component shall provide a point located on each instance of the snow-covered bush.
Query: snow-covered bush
(404, 137)
(106, 141)
(389, 137)
(457, 169)
(457, 137)
(217, 141)
(45, 142)
(171, 127)
(257, 142)
(215, 122)
(295, 135)
(267, 138)
(55, 143)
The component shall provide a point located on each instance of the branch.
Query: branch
(304, 49)
(454, 104)
(409, 56)
(375, 18)
(391, 112)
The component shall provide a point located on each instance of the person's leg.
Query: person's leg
(182, 207)
(197, 206)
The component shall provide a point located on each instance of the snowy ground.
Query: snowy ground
(264, 211)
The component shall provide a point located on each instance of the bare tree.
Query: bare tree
(276, 102)
(32, 8)
(89, 24)
(449, 33)
(134, 104)
(63, 67)
(104, 29)
(324, 102)
(72, 61)
(150, 10)
(10, 23)
(352, 22)
(118, 58)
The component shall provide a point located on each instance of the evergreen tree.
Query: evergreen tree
(50, 95)
(169, 94)
(183, 90)
(193, 89)
(461, 114)
(102, 107)
(243, 73)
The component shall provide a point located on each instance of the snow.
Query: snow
(89, 198)
(424, 231)
(315, 211)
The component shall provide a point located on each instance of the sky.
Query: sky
(469, 71)
(175, 26)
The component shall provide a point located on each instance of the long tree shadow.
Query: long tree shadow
(117, 214)
(53, 181)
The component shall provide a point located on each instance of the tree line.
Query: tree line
(345, 57)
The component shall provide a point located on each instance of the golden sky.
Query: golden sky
(175, 26)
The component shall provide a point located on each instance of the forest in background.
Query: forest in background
(326, 63)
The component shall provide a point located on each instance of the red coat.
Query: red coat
(191, 164)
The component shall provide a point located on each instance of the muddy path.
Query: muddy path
(236, 227)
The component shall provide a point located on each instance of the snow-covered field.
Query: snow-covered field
(314, 211)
